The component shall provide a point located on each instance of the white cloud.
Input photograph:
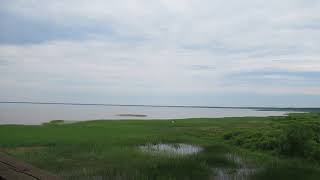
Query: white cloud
(172, 37)
(228, 22)
(121, 68)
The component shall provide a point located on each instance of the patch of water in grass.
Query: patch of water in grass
(233, 174)
(173, 149)
(242, 172)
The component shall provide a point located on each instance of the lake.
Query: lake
(16, 113)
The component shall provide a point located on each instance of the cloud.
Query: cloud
(117, 67)
(158, 48)
(233, 26)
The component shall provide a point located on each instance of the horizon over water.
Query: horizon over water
(37, 113)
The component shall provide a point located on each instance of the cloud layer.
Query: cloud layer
(160, 52)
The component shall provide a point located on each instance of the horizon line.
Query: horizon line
(152, 105)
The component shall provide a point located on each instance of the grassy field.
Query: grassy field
(262, 148)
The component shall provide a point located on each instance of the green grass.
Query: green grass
(108, 149)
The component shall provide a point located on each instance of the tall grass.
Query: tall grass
(109, 149)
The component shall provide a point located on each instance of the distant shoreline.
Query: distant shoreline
(304, 109)
(132, 115)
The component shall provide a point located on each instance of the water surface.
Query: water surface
(171, 149)
(15, 113)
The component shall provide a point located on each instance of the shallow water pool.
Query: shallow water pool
(175, 149)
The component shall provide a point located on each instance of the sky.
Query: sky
(161, 52)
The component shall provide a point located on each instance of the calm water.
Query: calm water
(39, 113)
(171, 149)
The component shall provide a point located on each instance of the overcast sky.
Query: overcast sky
(166, 52)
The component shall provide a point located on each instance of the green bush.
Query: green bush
(295, 140)
(313, 150)
(291, 136)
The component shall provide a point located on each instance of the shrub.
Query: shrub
(295, 140)
(313, 150)
(291, 136)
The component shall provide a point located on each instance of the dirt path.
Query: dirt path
(12, 169)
